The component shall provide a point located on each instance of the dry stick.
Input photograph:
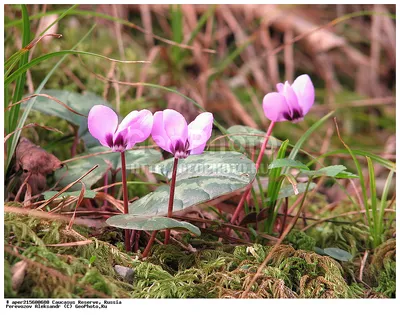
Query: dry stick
(259, 159)
(286, 232)
(125, 197)
(363, 261)
(67, 187)
(171, 198)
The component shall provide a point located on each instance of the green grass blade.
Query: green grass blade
(177, 30)
(32, 101)
(361, 177)
(11, 119)
(307, 134)
(37, 60)
(228, 60)
(376, 158)
(384, 201)
(372, 189)
(203, 19)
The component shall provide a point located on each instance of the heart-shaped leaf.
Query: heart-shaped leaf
(129, 221)
(338, 254)
(200, 178)
(250, 137)
(229, 164)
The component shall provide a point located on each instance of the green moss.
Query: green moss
(213, 270)
(300, 240)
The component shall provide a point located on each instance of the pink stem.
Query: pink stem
(259, 160)
(125, 197)
(171, 198)
(149, 244)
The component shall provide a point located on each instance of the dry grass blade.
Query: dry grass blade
(115, 202)
(49, 97)
(80, 199)
(49, 216)
(77, 243)
(30, 126)
(36, 40)
(68, 187)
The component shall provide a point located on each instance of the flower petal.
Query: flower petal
(102, 123)
(275, 105)
(138, 125)
(199, 130)
(175, 126)
(198, 150)
(158, 132)
(304, 89)
(279, 87)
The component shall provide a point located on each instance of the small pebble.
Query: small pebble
(125, 272)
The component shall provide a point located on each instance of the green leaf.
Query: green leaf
(288, 191)
(200, 178)
(287, 163)
(338, 254)
(51, 193)
(330, 171)
(230, 164)
(81, 103)
(129, 221)
(345, 174)
(134, 158)
(250, 137)
(376, 158)
(76, 169)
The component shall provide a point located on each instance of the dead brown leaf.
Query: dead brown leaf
(35, 163)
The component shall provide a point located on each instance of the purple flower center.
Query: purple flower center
(119, 145)
(294, 116)
(180, 150)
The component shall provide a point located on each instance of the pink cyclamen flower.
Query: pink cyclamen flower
(291, 102)
(172, 133)
(135, 127)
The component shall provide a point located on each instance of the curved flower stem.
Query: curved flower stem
(258, 163)
(149, 244)
(171, 198)
(125, 197)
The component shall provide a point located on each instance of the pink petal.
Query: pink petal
(304, 89)
(158, 132)
(199, 130)
(279, 87)
(138, 125)
(102, 122)
(275, 105)
(175, 126)
(198, 150)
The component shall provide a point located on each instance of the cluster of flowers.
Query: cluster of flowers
(172, 133)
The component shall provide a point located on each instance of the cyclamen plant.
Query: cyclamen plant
(172, 133)
(135, 127)
(291, 103)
